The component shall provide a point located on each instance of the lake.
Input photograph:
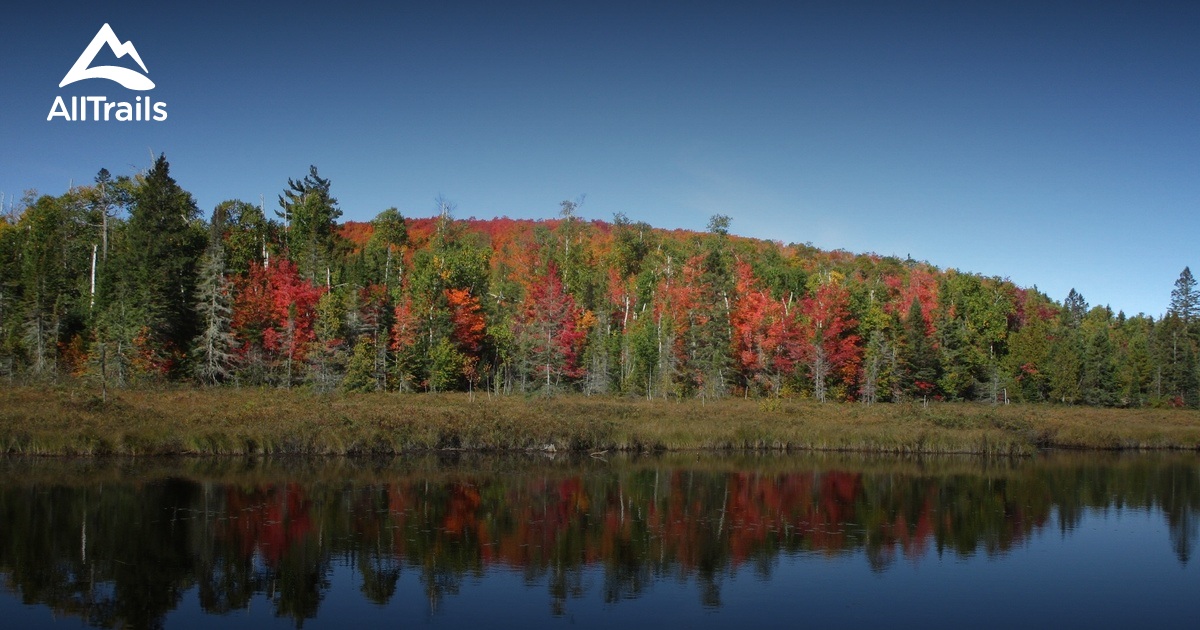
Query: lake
(679, 540)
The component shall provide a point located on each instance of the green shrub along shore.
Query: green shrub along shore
(67, 421)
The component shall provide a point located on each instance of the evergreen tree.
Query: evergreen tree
(709, 331)
(107, 197)
(310, 214)
(877, 360)
(958, 359)
(1185, 300)
(50, 304)
(919, 358)
(1075, 308)
(163, 241)
(1181, 342)
(1065, 366)
(642, 357)
(10, 245)
(1097, 378)
(1177, 362)
(43, 281)
(1134, 363)
(1028, 360)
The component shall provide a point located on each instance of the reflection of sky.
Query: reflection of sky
(17, 615)
(1115, 568)
(1112, 570)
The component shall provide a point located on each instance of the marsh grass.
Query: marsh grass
(186, 421)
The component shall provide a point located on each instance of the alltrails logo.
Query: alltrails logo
(100, 108)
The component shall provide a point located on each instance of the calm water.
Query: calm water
(1076, 540)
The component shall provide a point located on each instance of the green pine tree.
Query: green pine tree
(164, 239)
(310, 214)
(919, 358)
(1185, 299)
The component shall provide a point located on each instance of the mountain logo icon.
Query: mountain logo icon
(131, 79)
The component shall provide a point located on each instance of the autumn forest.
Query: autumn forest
(123, 283)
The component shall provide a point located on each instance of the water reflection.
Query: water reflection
(120, 543)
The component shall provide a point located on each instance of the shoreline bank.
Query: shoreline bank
(71, 421)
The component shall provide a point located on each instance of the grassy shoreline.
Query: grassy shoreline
(69, 421)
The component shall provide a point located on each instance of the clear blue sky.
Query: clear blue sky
(1055, 143)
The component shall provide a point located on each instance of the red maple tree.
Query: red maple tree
(830, 346)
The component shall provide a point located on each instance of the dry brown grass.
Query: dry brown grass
(70, 421)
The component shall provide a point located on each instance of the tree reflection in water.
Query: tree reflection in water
(121, 543)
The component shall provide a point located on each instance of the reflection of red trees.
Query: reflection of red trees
(462, 508)
(912, 537)
(268, 520)
(697, 520)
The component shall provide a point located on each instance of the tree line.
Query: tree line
(123, 283)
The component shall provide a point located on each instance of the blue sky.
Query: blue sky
(1054, 143)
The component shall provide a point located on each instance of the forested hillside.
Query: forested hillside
(124, 283)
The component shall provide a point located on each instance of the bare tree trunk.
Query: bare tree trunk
(92, 299)
(103, 373)
(872, 378)
(820, 368)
